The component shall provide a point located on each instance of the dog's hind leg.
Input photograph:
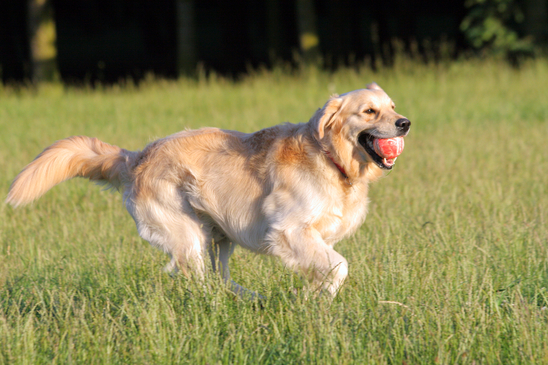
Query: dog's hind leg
(220, 251)
(174, 228)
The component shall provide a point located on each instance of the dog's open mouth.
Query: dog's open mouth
(383, 151)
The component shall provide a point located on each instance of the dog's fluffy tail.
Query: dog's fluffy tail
(77, 156)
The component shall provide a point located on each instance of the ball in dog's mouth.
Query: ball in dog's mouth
(383, 151)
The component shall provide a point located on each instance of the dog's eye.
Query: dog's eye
(369, 111)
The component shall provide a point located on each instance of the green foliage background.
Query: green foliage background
(493, 27)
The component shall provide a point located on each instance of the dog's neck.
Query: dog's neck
(314, 138)
(341, 169)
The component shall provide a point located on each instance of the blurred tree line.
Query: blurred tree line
(109, 40)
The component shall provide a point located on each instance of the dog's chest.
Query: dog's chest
(342, 217)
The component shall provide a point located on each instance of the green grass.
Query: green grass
(451, 265)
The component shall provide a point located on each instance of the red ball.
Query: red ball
(389, 147)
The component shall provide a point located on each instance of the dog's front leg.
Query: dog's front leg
(304, 250)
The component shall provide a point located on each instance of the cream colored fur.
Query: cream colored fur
(277, 191)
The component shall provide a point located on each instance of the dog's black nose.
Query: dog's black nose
(403, 124)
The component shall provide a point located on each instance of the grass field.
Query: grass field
(451, 265)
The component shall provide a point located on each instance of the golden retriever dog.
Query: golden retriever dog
(291, 191)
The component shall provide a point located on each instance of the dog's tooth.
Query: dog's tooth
(389, 163)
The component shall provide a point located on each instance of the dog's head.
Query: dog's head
(362, 125)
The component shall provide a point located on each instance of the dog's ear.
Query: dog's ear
(328, 114)
(373, 86)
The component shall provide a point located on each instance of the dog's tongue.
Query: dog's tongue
(388, 148)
